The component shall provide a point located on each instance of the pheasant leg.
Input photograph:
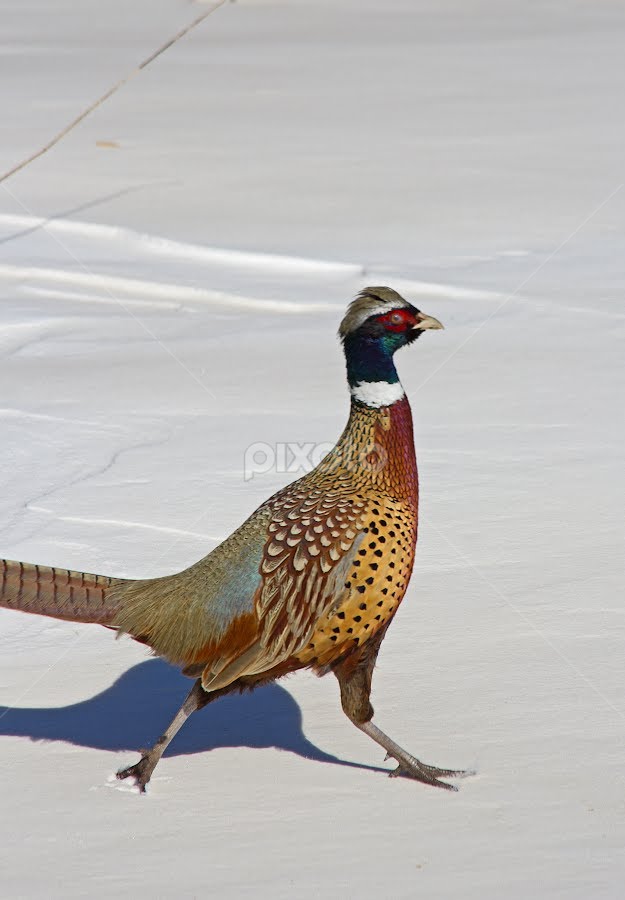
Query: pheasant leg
(354, 675)
(142, 771)
(409, 766)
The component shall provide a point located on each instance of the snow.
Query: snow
(171, 281)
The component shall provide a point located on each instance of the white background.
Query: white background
(469, 154)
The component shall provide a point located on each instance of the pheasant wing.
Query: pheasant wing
(311, 543)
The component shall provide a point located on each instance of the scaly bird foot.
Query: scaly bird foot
(427, 774)
(409, 766)
(141, 772)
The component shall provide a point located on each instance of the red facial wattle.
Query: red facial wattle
(397, 320)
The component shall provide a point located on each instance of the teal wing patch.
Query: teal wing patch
(179, 614)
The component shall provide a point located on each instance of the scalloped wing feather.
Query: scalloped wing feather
(311, 545)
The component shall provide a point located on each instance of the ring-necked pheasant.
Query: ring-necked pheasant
(311, 580)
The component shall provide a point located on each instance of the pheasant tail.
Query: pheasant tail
(61, 593)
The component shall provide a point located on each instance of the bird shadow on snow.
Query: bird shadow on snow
(134, 711)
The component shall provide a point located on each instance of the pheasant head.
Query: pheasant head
(377, 323)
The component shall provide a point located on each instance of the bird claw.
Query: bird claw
(428, 774)
(141, 772)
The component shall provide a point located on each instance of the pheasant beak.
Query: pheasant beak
(424, 322)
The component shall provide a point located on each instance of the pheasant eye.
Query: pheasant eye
(395, 320)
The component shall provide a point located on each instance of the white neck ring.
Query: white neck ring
(377, 393)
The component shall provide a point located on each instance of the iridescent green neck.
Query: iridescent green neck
(370, 359)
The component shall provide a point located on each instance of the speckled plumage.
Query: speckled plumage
(300, 569)
(311, 580)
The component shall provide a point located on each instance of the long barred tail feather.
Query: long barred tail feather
(60, 593)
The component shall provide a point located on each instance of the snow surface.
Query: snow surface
(201, 234)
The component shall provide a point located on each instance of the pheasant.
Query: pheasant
(311, 580)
